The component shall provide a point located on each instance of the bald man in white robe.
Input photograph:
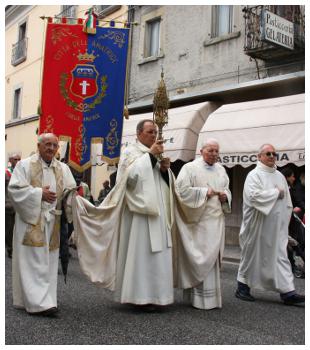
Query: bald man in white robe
(267, 210)
(202, 189)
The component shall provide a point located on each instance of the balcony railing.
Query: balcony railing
(69, 12)
(19, 52)
(255, 47)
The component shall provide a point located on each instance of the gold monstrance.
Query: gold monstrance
(160, 107)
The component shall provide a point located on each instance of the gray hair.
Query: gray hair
(46, 135)
(209, 142)
(261, 148)
(14, 154)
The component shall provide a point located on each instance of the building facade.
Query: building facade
(226, 55)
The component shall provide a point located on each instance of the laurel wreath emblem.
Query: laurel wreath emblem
(82, 107)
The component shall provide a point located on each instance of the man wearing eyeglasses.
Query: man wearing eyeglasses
(9, 209)
(267, 208)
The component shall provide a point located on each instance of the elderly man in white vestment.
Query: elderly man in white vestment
(36, 189)
(267, 210)
(202, 188)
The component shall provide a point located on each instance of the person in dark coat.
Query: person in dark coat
(295, 229)
(9, 209)
(113, 178)
(104, 191)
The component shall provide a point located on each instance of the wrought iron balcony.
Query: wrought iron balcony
(255, 45)
(19, 52)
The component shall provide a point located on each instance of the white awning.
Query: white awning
(242, 128)
(181, 133)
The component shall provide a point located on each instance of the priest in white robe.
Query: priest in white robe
(36, 189)
(267, 210)
(202, 189)
(125, 244)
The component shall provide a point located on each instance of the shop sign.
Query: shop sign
(277, 30)
(246, 159)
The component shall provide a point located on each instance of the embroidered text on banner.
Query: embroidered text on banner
(83, 89)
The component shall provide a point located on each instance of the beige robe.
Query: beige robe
(264, 263)
(36, 237)
(201, 225)
(125, 243)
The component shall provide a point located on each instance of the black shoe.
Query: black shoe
(244, 296)
(295, 299)
(48, 313)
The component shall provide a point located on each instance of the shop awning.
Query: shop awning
(181, 133)
(242, 128)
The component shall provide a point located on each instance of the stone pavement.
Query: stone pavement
(89, 316)
(232, 254)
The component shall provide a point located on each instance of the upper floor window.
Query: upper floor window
(22, 31)
(16, 103)
(68, 11)
(19, 50)
(152, 38)
(100, 8)
(106, 10)
(222, 18)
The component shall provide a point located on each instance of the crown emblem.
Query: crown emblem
(90, 57)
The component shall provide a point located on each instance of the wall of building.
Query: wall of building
(27, 74)
(22, 137)
(191, 63)
(192, 60)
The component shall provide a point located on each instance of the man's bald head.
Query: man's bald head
(267, 155)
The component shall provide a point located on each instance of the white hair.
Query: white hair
(261, 148)
(14, 154)
(44, 136)
(209, 142)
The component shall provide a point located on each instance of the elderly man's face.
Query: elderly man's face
(14, 160)
(268, 156)
(210, 153)
(148, 135)
(48, 147)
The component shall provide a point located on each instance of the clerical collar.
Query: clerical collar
(46, 162)
(208, 166)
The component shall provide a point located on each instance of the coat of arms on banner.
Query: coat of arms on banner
(84, 81)
(83, 89)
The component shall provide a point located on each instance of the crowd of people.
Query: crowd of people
(150, 232)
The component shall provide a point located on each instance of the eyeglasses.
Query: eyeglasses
(269, 154)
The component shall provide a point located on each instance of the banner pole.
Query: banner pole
(39, 110)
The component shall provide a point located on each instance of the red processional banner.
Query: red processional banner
(83, 89)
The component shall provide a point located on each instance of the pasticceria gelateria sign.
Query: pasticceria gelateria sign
(277, 30)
